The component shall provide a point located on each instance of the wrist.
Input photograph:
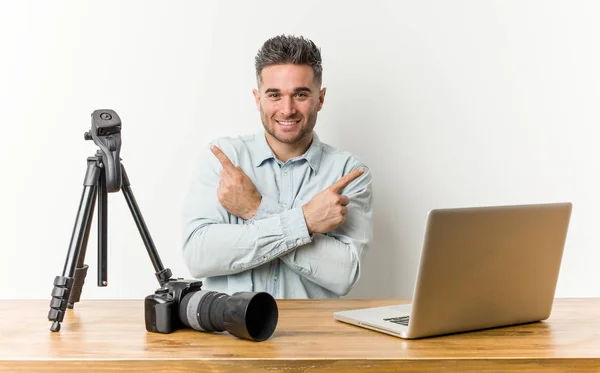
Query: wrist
(254, 210)
(308, 226)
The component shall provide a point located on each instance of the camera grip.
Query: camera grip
(158, 315)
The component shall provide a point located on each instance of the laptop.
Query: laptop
(480, 268)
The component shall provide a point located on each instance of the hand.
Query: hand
(236, 191)
(326, 210)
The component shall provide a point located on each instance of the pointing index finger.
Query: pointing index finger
(221, 157)
(346, 179)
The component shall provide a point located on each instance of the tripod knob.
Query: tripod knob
(87, 136)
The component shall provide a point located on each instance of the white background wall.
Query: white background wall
(450, 103)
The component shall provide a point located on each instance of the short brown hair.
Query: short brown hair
(283, 49)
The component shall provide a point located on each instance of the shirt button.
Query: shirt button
(285, 174)
(275, 278)
(299, 241)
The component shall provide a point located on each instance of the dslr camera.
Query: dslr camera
(182, 303)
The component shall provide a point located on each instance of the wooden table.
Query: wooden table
(110, 336)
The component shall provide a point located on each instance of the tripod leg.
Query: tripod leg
(162, 274)
(81, 269)
(102, 229)
(63, 284)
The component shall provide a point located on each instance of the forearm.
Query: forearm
(213, 249)
(267, 208)
(328, 262)
(334, 260)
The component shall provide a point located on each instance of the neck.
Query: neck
(284, 151)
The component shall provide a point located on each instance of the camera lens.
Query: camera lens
(246, 315)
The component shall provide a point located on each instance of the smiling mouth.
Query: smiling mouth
(288, 123)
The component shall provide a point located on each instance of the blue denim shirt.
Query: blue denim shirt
(274, 251)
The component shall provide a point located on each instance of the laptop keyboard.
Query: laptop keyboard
(403, 320)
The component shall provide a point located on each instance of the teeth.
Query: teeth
(287, 123)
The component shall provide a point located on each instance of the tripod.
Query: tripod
(104, 175)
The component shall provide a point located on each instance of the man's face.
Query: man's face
(288, 101)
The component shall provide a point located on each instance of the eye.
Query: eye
(302, 94)
(273, 95)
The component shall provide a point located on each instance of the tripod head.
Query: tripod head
(106, 133)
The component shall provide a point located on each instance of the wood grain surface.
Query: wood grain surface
(109, 335)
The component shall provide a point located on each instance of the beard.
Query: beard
(305, 128)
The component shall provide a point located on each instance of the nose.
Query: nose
(287, 108)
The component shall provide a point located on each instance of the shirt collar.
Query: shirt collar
(263, 151)
(314, 153)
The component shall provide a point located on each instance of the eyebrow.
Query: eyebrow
(299, 89)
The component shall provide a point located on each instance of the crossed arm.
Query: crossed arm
(236, 229)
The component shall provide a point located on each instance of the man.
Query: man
(280, 211)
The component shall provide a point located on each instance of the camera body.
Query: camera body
(162, 308)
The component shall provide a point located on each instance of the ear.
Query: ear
(256, 98)
(322, 98)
